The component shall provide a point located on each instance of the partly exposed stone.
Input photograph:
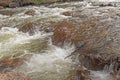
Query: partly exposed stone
(27, 27)
(95, 37)
(63, 33)
(67, 14)
(80, 74)
(7, 12)
(13, 76)
(30, 12)
(104, 4)
(8, 64)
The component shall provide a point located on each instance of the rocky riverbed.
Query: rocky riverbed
(61, 41)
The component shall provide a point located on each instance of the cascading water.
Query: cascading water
(43, 61)
(48, 65)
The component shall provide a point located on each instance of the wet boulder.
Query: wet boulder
(13, 76)
(27, 27)
(67, 13)
(93, 40)
(63, 32)
(30, 12)
(104, 4)
(98, 61)
(9, 64)
(80, 33)
(7, 12)
(80, 74)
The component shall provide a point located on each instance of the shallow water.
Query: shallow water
(44, 60)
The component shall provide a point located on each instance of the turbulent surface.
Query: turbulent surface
(44, 61)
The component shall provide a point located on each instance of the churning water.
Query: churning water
(44, 61)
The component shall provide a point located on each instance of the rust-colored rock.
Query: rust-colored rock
(27, 27)
(63, 32)
(83, 32)
(30, 12)
(80, 74)
(91, 40)
(10, 63)
(67, 14)
(13, 76)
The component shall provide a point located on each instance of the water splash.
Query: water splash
(52, 62)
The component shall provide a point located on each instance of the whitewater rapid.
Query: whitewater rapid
(43, 61)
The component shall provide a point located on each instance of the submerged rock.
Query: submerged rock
(13, 76)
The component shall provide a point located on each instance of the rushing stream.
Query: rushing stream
(46, 62)
(43, 61)
(50, 62)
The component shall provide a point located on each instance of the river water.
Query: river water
(44, 60)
